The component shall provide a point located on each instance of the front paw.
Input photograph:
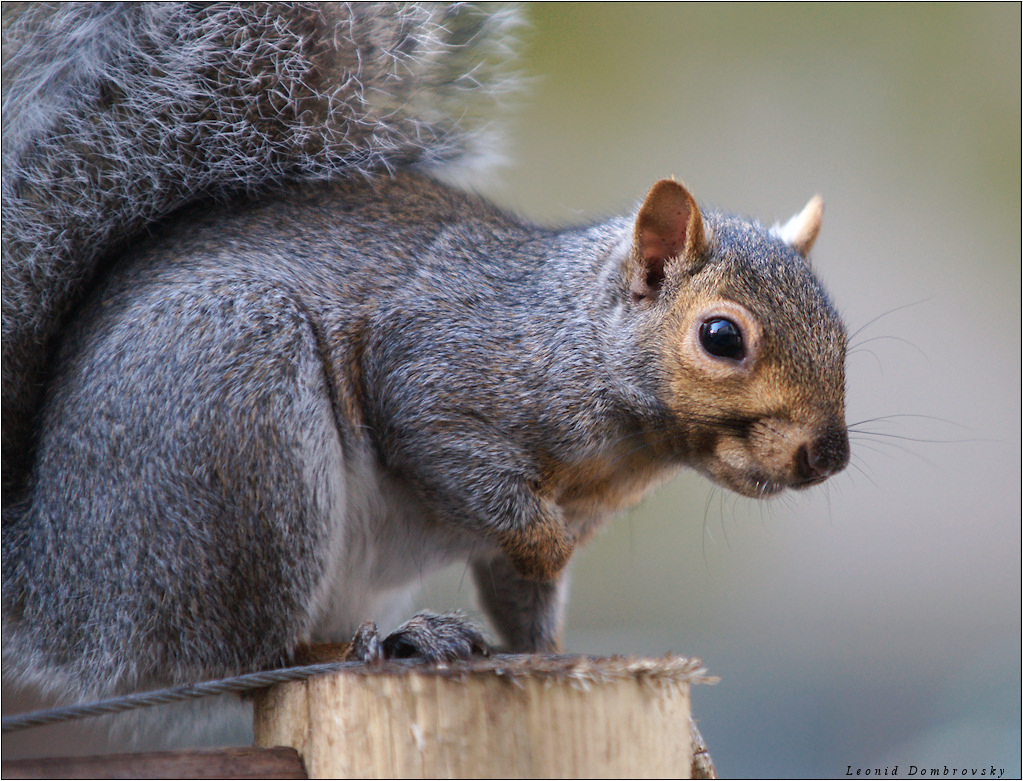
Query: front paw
(363, 647)
(433, 637)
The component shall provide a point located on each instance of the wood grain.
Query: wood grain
(511, 717)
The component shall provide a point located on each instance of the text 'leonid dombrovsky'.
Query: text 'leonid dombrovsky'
(916, 771)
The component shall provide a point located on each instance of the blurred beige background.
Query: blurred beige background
(875, 621)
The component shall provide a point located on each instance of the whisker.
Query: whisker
(763, 521)
(827, 500)
(910, 452)
(864, 470)
(906, 415)
(896, 446)
(861, 446)
(886, 314)
(906, 438)
(721, 512)
(465, 569)
(871, 353)
(859, 345)
(706, 528)
(632, 541)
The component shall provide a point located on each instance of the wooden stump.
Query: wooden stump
(510, 716)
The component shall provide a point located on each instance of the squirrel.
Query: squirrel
(267, 362)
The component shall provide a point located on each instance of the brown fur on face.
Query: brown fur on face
(774, 417)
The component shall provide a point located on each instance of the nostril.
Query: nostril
(805, 464)
(822, 458)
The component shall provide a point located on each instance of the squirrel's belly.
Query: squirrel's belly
(384, 545)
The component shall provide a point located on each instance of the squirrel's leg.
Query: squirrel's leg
(527, 613)
(182, 512)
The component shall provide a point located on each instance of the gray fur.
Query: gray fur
(115, 114)
(203, 500)
(267, 421)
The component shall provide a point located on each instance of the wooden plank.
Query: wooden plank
(248, 762)
(508, 717)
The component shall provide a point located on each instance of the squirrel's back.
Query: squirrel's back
(115, 115)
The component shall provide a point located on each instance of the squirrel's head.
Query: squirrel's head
(752, 353)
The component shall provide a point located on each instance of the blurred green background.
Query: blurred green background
(874, 621)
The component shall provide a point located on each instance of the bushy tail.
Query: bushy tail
(115, 115)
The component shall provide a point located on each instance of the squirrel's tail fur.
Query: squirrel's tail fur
(115, 115)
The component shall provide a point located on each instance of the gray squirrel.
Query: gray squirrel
(265, 366)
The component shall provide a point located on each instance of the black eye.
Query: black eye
(722, 339)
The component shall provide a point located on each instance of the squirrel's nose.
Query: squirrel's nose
(824, 456)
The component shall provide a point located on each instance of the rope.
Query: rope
(235, 684)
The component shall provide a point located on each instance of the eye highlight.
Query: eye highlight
(722, 338)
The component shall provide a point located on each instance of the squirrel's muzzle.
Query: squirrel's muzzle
(775, 453)
(822, 457)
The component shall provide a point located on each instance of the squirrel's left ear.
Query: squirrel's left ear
(669, 229)
(801, 231)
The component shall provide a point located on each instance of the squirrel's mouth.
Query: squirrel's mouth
(754, 486)
(773, 456)
(745, 479)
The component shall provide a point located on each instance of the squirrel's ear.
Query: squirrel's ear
(669, 228)
(801, 231)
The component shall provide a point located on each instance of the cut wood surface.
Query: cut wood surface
(507, 717)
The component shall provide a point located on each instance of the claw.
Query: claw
(366, 645)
